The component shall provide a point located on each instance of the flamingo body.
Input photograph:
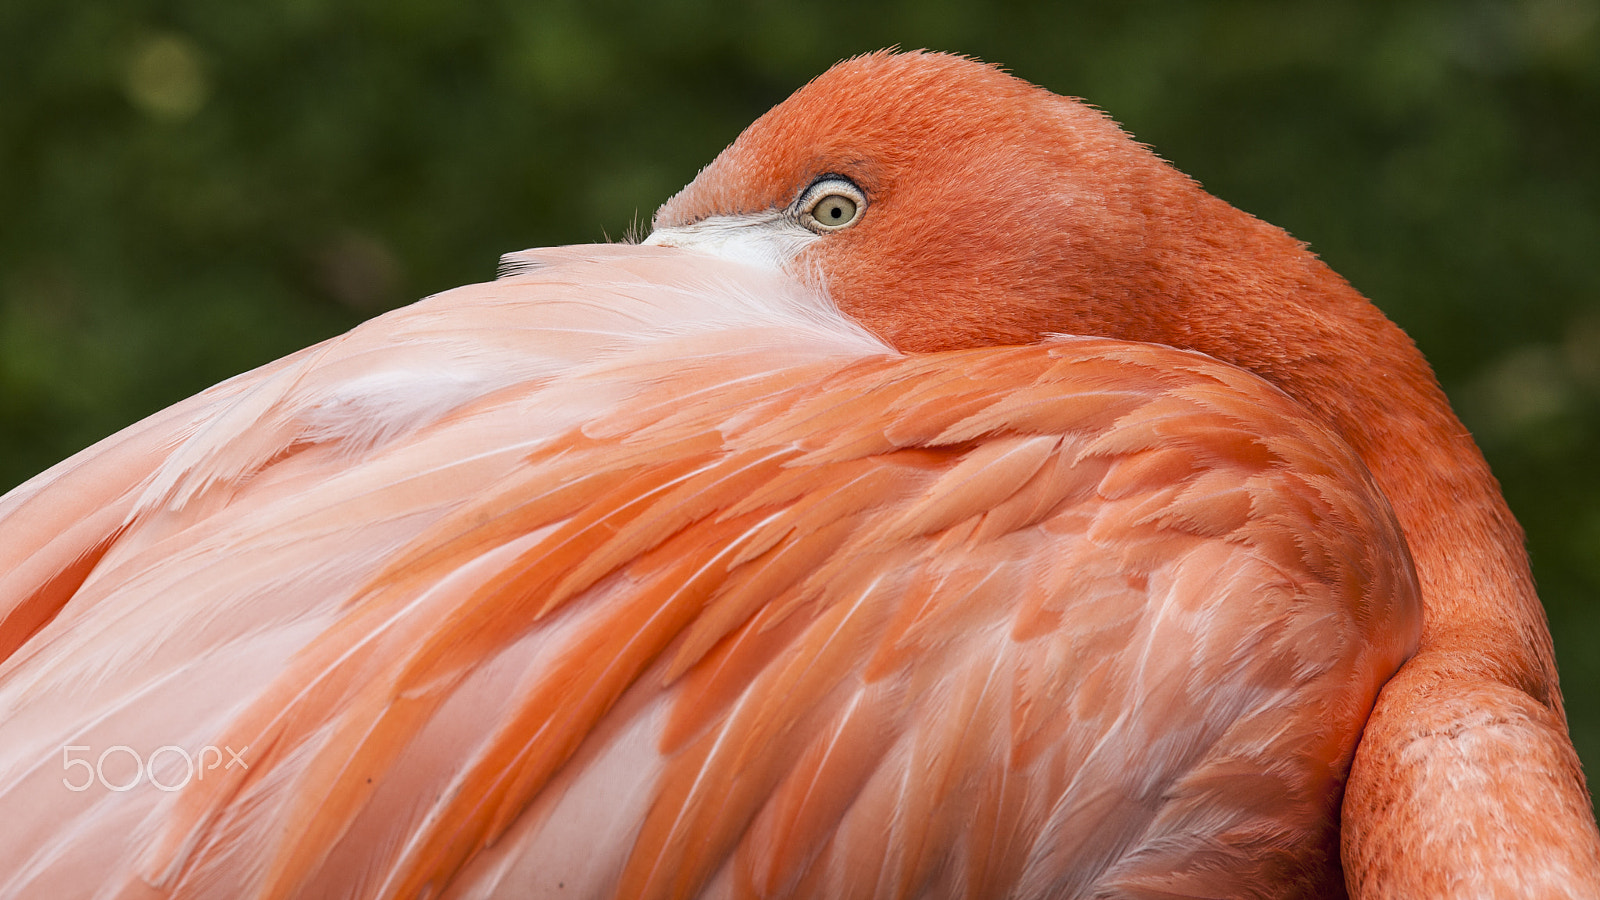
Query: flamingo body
(701, 569)
(731, 598)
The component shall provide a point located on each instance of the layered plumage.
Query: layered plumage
(825, 568)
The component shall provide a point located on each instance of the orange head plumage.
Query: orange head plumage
(995, 212)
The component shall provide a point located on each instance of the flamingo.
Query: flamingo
(949, 498)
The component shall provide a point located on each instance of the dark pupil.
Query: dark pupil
(835, 212)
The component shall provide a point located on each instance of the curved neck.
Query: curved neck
(1327, 346)
(1479, 602)
(1232, 286)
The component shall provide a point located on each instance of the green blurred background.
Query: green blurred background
(191, 188)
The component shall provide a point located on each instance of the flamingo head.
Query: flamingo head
(944, 204)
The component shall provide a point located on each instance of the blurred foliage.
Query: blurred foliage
(192, 188)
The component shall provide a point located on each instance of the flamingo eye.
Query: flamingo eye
(831, 203)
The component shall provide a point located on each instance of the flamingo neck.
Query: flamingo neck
(1232, 286)
(1363, 375)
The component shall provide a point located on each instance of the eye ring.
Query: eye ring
(831, 203)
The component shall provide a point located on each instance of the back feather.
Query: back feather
(638, 574)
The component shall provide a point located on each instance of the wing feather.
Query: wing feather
(718, 582)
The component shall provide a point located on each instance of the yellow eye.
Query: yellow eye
(831, 203)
